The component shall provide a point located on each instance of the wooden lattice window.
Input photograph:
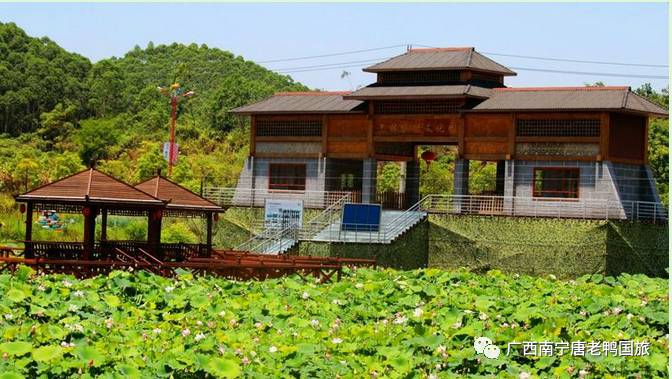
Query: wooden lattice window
(428, 107)
(558, 128)
(558, 182)
(288, 128)
(286, 176)
(418, 77)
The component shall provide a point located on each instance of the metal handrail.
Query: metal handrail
(227, 196)
(325, 218)
(545, 207)
(459, 204)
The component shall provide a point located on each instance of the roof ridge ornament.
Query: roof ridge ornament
(471, 55)
(88, 185)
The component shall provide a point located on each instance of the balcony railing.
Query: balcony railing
(458, 204)
(247, 197)
(545, 207)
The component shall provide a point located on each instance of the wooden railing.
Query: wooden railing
(109, 250)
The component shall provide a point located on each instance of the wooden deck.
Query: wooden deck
(66, 257)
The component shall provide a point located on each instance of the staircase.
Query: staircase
(271, 241)
(326, 227)
(393, 224)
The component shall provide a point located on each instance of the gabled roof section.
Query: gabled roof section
(301, 102)
(89, 185)
(176, 196)
(453, 58)
(569, 98)
(374, 92)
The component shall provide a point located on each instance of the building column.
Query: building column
(412, 183)
(369, 174)
(460, 184)
(509, 186)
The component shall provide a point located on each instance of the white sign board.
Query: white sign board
(283, 213)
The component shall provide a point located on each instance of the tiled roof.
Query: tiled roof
(301, 102)
(177, 196)
(441, 59)
(414, 92)
(89, 185)
(569, 98)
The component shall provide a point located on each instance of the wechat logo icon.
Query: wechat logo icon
(484, 345)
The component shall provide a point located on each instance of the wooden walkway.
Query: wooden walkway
(229, 264)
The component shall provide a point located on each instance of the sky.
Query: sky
(623, 33)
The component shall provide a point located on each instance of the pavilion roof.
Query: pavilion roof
(302, 102)
(374, 92)
(451, 58)
(569, 98)
(177, 197)
(90, 186)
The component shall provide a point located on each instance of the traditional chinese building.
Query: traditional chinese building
(554, 147)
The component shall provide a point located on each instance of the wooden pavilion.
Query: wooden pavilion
(92, 193)
(553, 147)
(181, 202)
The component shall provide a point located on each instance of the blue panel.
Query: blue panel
(361, 217)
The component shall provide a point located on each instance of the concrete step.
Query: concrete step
(390, 229)
(278, 247)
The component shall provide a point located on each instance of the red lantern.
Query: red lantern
(428, 156)
(22, 208)
(156, 215)
(86, 211)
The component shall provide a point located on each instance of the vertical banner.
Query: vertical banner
(283, 213)
(166, 151)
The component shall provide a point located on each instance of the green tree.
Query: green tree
(388, 177)
(107, 89)
(57, 124)
(658, 140)
(150, 161)
(95, 139)
(36, 75)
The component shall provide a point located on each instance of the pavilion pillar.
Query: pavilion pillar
(28, 251)
(369, 173)
(103, 225)
(208, 235)
(154, 232)
(461, 185)
(89, 231)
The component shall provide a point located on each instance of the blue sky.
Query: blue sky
(630, 33)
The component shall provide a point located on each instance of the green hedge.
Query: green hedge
(566, 248)
(637, 248)
(536, 246)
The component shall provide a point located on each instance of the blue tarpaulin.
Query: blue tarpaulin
(361, 217)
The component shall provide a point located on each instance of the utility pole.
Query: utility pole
(175, 93)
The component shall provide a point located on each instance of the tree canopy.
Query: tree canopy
(57, 105)
(60, 112)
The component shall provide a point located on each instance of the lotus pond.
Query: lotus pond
(373, 323)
